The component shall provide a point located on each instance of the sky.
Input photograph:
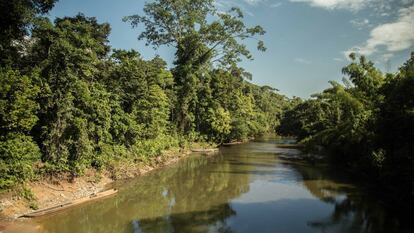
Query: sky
(307, 40)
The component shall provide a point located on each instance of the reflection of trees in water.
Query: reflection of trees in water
(193, 196)
(201, 197)
(176, 199)
(197, 221)
(353, 211)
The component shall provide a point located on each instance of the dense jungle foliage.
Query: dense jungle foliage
(68, 102)
(365, 124)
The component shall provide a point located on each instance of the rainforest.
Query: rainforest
(71, 104)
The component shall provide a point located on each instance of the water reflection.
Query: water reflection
(247, 188)
(161, 201)
(353, 210)
(213, 219)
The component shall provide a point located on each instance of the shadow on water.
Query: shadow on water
(353, 209)
(213, 219)
(246, 188)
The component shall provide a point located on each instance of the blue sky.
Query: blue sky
(307, 40)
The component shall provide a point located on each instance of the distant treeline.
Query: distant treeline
(68, 102)
(365, 124)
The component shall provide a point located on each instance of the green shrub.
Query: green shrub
(18, 155)
(146, 149)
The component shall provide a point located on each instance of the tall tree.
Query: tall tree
(75, 113)
(202, 37)
(15, 19)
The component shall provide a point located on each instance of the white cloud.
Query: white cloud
(360, 23)
(275, 5)
(238, 3)
(303, 61)
(354, 5)
(379, 7)
(387, 56)
(338, 59)
(253, 2)
(395, 36)
(224, 5)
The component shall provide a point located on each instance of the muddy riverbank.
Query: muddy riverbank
(48, 192)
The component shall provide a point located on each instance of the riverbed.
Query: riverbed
(252, 187)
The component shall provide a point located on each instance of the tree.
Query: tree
(366, 124)
(18, 108)
(143, 90)
(199, 42)
(16, 17)
(395, 130)
(366, 79)
(67, 104)
(75, 112)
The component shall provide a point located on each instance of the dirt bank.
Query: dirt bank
(54, 191)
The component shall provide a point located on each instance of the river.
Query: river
(252, 187)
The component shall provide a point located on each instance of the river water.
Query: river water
(253, 187)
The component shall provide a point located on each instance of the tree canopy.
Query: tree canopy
(365, 124)
(69, 102)
(203, 38)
